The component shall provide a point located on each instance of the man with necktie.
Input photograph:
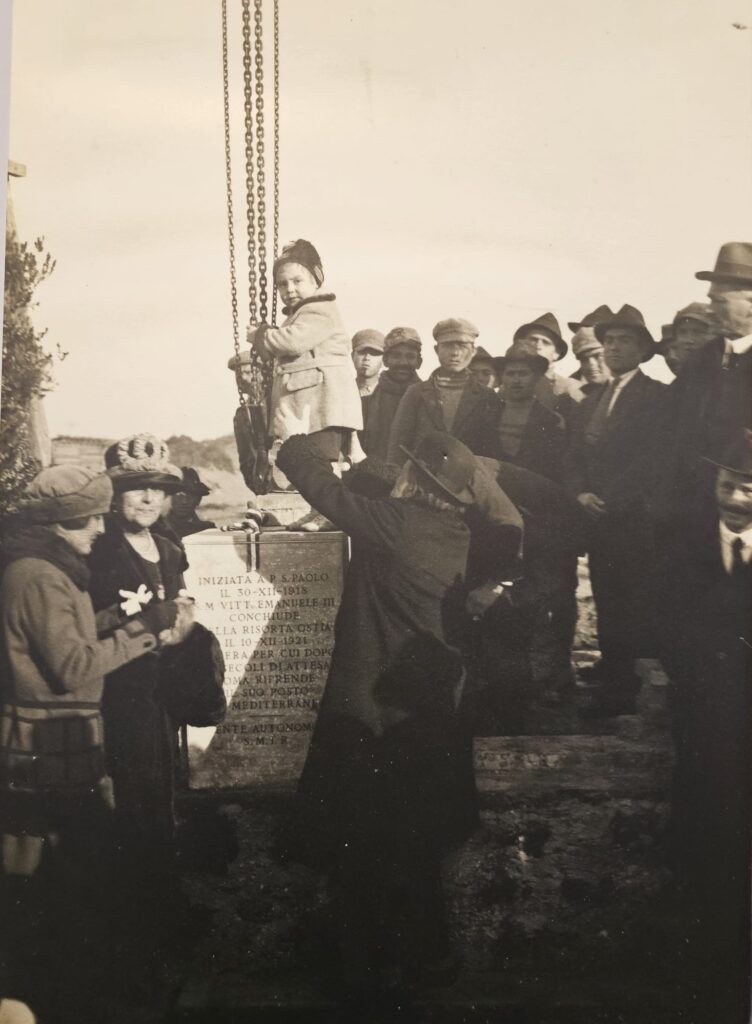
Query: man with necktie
(707, 653)
(606, 470)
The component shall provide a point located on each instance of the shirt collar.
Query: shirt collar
(728, 536)
(739, 345)
(625, 378)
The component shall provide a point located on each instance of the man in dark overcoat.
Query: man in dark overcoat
(388, 784)
(526, 431)
(707, 652)
(450, 400)
(607, 472)
(709, 402)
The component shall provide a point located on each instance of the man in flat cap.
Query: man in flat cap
(559, 393)
(449, 400)
(402, 359)
(709, 402)
(589, 351)
(607, 471)
(692, 327)
(367, 355)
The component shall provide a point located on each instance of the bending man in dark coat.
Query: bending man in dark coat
(388, 786)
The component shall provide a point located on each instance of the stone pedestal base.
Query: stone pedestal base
(271, 599)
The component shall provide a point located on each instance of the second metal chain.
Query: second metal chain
(228, 180)
(260, 169)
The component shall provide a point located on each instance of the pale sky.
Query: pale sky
(489, 159)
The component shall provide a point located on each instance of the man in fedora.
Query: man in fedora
(707, 652)
(559, 393)
(527, 432)
(450, 400)
(693, 326)
(607, 471)
(709, 403)
(482, 369)
(589, 351)
(182, 518)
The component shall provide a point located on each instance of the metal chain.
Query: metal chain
(230, 210)
(275, 231)
(260, 168)
(249, 181)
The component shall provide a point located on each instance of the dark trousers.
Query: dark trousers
(621, 558)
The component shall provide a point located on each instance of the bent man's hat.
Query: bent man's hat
(733, 266)
(629, 316)
(140, 461)
(446, 465)
(550, 326)
(59, 493)
(368, 338)
(455, 329)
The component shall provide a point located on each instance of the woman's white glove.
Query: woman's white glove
(135, 600)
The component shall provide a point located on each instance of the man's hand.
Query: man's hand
(480, 600)
(594, 506)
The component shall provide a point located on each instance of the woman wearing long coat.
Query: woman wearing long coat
(388, 786)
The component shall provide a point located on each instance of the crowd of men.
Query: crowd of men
(631, 452)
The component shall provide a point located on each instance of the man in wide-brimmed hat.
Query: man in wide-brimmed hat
(709, 403)
(554, 391)
(182, 517)
(607, 470)
(707, 653)
(450, 400)
(482, 369)
(589, 351)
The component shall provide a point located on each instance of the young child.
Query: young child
(313, 390)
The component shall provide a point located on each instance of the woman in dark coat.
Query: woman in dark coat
(131, 566)
(388, 786)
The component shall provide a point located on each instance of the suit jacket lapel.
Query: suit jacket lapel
(626, 402)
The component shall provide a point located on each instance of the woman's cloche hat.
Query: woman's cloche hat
(59, 493)
(139, 461)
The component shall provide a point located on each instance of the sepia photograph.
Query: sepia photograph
(376, 512)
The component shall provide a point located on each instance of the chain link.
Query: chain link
(260, 168)
(228, 179)
(275, 229)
